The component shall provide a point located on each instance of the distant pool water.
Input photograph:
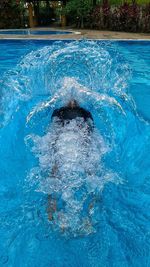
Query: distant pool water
(33, 32)
(111, 80)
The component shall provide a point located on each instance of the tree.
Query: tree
(78, 10)
(10, 13)
(94, 2)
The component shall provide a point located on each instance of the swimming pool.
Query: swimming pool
(111, 79)
(33, 32)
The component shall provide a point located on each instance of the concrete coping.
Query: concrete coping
(77, 35)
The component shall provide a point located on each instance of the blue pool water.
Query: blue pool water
(111, 79)
(32, 32)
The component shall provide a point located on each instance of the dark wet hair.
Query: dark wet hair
(69, 112)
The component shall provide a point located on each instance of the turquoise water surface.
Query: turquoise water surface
(103, 199)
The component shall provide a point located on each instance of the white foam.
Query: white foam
(71, 169)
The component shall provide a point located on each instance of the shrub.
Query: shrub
(10, 14)
(125, 17)
(129, 17)
(96, 18)
(146, 19)
(78, 11)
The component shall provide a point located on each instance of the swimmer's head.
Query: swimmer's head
(72, 104)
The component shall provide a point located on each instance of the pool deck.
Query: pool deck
(81, 34)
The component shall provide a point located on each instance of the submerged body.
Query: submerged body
(74, 125)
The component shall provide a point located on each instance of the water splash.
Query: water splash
(119, 213)
(81, 73)
(71, 169)
(87, 72)
(42, 73)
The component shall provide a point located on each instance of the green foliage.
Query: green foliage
(78, 8)
(10, 14)
(119, 2)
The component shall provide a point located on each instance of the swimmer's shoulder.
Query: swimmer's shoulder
(61, 112)
(58, 112)
(86, 113)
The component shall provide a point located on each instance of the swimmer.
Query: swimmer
(62, 117)
(73, 111)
